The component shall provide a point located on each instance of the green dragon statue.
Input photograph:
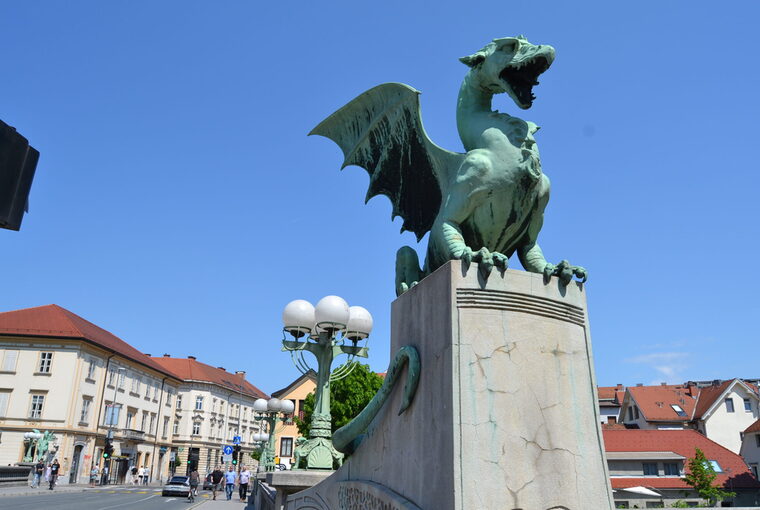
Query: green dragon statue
(481, 206)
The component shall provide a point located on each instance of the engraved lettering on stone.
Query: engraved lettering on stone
(352, 498)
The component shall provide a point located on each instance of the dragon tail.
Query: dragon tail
(347, 438)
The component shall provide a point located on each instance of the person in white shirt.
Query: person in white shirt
(245, 477)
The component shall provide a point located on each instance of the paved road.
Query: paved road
(100, 499)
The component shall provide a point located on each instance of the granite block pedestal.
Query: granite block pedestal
(505, 414)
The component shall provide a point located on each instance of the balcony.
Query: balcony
(132, 434)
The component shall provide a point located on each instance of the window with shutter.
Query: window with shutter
(9, 361)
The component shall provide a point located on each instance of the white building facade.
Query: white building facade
(212, 407)
(61, 373)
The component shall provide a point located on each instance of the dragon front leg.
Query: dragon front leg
(533, 260)
(454, 247)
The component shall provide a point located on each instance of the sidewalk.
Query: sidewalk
(25, 490)
(221, 503)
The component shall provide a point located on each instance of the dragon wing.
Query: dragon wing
(381, 131)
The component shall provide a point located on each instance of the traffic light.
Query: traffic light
(108, 450)
(235, 454)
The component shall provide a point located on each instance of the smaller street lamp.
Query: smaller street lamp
(328, 330)
(270, 411)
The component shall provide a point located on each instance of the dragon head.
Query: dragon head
(511, 65)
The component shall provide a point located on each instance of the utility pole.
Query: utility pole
(240, 410)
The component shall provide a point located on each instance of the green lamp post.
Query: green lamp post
(270, 412)
(328, 330)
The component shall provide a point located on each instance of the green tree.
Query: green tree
(348, 396)
(702, 476)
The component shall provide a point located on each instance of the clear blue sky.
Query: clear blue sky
(179, 204)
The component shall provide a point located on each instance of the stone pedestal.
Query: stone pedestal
(505, 415)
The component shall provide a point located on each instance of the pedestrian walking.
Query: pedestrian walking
(133, 475)
(216, 478)
(94, 475)
(146, 475)
(39, 470)
(140, 475)
(245, 477)
(54, 469)
(104, 481)
(195, 478)
(230, 477)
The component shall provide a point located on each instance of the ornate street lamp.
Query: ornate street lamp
(328, 330)
(270, 411)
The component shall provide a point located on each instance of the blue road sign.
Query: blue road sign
(236, 440)
(227, 450)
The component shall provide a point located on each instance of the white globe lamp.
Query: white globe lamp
(260, 405)
(287, 406)
(298, 317)
(332, 313)
(274, 405)
(359, 323)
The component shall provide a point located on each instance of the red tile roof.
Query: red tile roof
(53, 321)
(610, 395)
(707, 397)
(193, 370)
(755, 427)
(655, 402)
(682, 442)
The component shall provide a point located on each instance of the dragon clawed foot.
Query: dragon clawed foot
(565, 272)
(486, 260)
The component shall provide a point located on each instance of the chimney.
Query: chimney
(611, 420)
(663, 384)
(167, 355)
(241, 373)
(691, 389)
(619, 387)
(639, 385)
(191, 357)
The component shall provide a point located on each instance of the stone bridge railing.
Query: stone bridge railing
(14, 474)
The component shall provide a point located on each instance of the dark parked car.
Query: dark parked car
(177, 486)
(207, 483)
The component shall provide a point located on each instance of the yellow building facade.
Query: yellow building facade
(287, 432)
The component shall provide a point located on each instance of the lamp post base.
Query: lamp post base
(318, 453)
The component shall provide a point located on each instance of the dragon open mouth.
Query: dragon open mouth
(522, 76)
